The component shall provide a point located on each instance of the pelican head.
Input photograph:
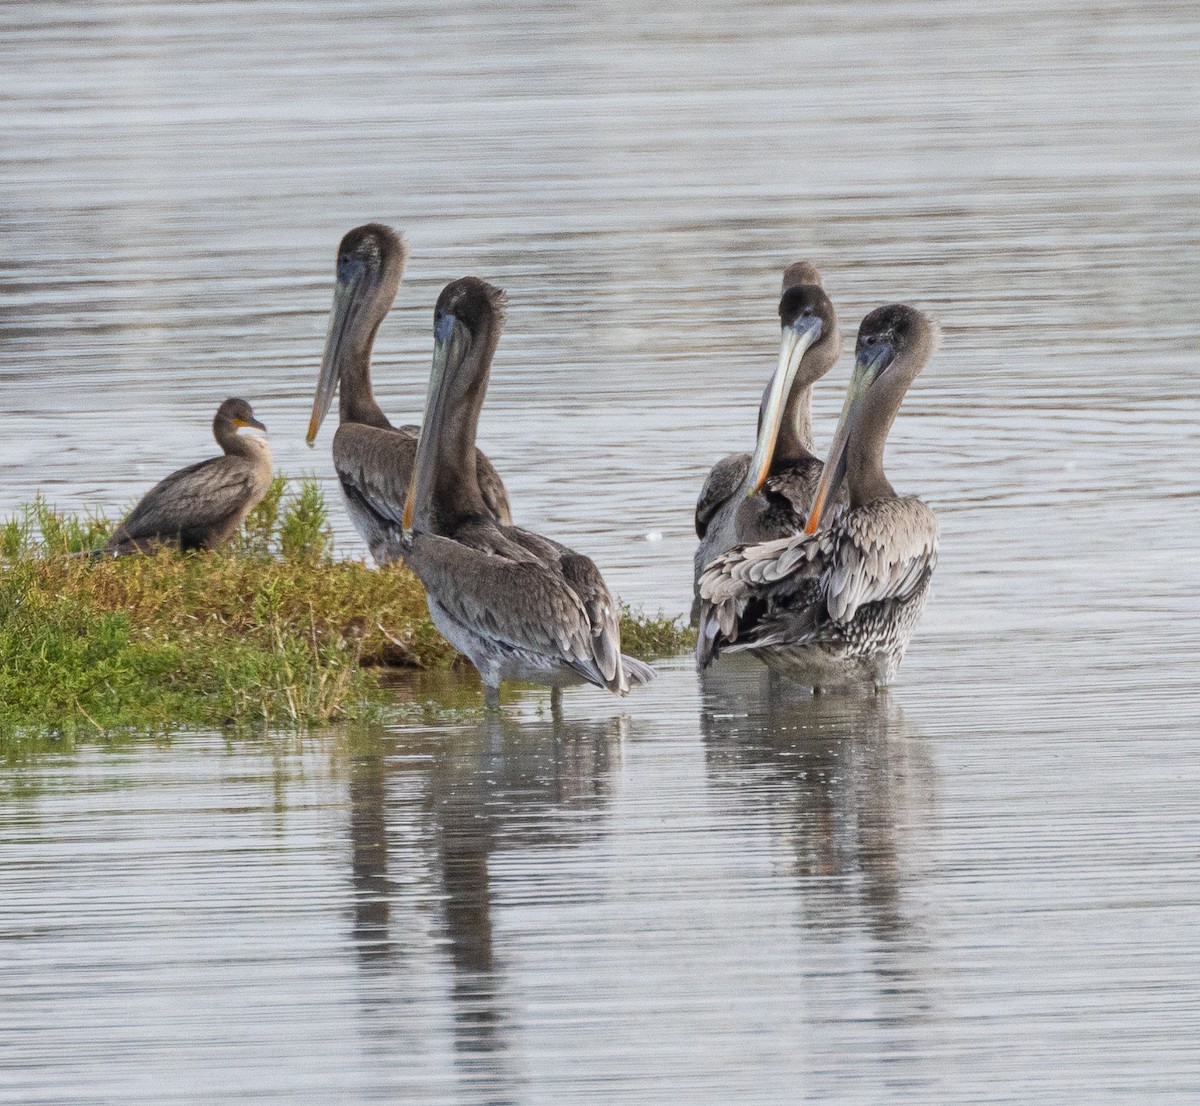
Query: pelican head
(467, 321)
(894, 343)
(810, 345)
(370, 263)
(800, 272)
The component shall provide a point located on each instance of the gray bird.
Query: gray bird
(373, 459)
(765, 496)
(838, 606)
(202, 506)
(520, 606)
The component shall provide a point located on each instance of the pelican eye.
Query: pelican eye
(443, 326)
(807, 312)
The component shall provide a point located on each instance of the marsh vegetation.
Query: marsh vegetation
(275, 630)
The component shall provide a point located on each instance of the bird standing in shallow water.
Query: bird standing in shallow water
(202, 506)
(839, 606)
(373, 459)
(520, 606)
(759, 497)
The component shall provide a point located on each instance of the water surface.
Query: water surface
(980, 888)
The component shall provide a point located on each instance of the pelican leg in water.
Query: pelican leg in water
(520, 606)
(373, 459)
(838, 606)
(759, 497)
(202, 506)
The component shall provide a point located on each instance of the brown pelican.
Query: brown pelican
(373, 459)
(520, 606)
(757, 498)
(202, 506)
(839, 605)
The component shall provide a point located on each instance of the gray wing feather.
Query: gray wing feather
(725, 519)
(798, 484)
(880, 551)
(529, 593)
(583, 578)
(375, 466)
(202, 496)
(517, 602)
(495, 495)
(726, 476)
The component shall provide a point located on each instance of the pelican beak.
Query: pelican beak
(797, 337)
(447, 349)
(349, 278)
(868, 364)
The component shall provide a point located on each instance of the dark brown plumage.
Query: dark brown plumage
(374, 460)
(202, 506)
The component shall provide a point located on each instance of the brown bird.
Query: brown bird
(520, 606)
(373, 459)
(838, 606)
(765, 496)
(202, 506)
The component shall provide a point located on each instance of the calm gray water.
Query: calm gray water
(981, 888)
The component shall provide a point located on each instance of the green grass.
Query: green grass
(273, 632)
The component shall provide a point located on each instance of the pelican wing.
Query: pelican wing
(880, 551)
(604, 618)
(583, 578)
(522, 600)
(495, 495)
(727, 475)
(375, 464)
(797, 484)
(195, 499)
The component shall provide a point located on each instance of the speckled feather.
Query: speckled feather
(725, 518)
(827, 591)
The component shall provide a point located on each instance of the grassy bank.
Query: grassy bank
(275, 630)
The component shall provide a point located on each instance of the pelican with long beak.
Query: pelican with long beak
(838, 605)
(759, 497)
(202, 506)
(520, 606)
(373, 459)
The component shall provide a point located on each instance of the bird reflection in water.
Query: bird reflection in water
(445, 802)
(844, 781)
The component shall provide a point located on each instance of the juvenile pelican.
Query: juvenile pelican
(520, 606)
(838, 606)
(373, 459)
(757, 498)
(202, 506)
